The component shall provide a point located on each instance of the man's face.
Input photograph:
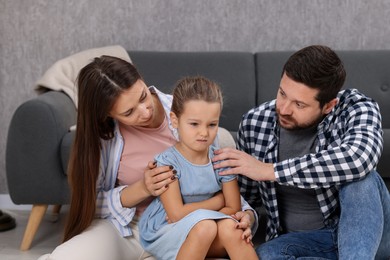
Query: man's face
(297, 107)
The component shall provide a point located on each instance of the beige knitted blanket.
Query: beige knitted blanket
(62, 75)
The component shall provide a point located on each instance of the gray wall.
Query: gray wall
(34, 34)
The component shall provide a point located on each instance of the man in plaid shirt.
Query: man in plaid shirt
(309, 153)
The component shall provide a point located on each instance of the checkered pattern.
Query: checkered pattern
(349, 145)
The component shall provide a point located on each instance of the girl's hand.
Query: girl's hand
(244, 223)
(157, 179)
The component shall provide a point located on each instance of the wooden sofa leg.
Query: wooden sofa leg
(55, 213)
(36, 216)
(56, 209)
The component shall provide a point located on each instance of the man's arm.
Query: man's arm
(354, 154)
(345, 158)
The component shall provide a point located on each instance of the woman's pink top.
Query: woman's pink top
(140, 146)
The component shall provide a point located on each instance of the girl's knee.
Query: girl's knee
(205, 229)
(227, 229)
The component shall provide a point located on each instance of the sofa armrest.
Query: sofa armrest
(33, 162)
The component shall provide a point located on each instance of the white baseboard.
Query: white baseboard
(7, 204)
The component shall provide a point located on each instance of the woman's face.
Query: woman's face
(135, 107)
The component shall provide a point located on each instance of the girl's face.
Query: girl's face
(135, 107)
(197, 125)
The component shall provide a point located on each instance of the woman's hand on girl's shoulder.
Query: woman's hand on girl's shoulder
(157, 179)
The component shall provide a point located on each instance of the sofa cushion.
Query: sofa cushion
(269, 66)
(369, 71)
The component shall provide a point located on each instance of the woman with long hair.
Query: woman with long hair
(121, 125)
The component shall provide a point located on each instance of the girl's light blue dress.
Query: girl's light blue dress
(197, 183)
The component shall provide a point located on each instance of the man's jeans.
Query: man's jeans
(316, 244)
(363, 229)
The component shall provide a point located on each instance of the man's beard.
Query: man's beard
(294, 125)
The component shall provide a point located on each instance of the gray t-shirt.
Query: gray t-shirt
(298, 208)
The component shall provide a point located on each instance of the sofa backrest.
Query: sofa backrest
(368, 71)
(234, 71)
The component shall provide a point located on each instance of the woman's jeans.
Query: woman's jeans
(363, 230)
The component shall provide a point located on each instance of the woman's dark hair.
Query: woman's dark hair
(99, 85)
(317, 67)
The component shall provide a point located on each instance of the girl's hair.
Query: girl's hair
(317, 67)
(99, 85)
(195, 88)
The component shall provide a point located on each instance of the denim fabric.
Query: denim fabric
(364, 227)
(316, 244)
(363, 230)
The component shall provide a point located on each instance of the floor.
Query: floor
(46, 239)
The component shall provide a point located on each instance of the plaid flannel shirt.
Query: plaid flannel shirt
(349, 146)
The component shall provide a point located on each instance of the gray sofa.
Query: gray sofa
(39, 139)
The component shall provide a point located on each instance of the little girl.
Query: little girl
(174, 226)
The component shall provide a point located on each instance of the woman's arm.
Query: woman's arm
(231, 193)
(119, 202)
(176, 209)
(154, 183)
